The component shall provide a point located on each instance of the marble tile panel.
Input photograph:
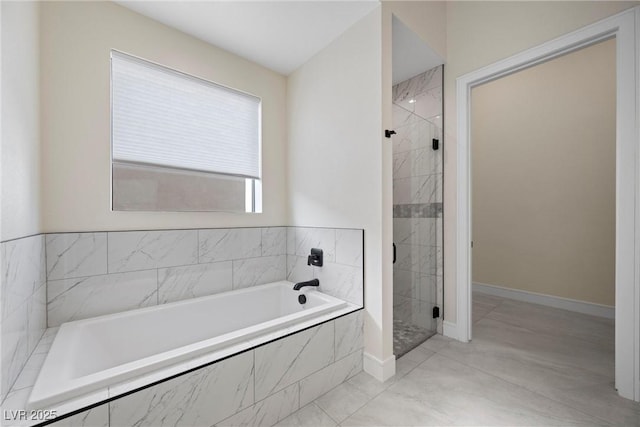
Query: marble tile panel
(430, 260)
(258, 271)
(305, 238)
(349, 334)
(308, 416)
(95, 417)
(23, 271)
(29, 373)
(15, 346)
(322, 381)
(192, 281)
(274, 241)
(267, 412)
(407, 257)
(408, 89)
(286, 361)
(226, 244)
(202, 397)
(15, 401)
(349, 247)
(402, 116)
(421, 161)
(36, 317)
(429, 103)
(412, 360)
(297, 269)
(419, 189)
(369, 385)
(417, 134)
(142, 250)
(76, 255)
(341, 281)
(75, 299)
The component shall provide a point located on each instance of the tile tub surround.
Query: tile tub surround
(91, 274)
(23, 295)
(417, 199)
(260, 386)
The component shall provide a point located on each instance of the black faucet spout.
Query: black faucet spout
(313, 282)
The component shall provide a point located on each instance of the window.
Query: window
(180, 142)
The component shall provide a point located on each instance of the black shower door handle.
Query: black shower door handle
(394, 253)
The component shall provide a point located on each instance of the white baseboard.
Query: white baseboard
(450, 330)
(548, 300)
(381, 370)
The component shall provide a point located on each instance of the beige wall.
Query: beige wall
(335, 148)
(543, 178)
(479, 34)
(76, 39)
(20, 163)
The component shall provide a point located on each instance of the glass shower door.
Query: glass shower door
(417, 209)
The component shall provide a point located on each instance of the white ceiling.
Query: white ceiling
(280, 35)
(411, 55)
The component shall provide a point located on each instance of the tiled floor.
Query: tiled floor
(407, 336)
(527, 365)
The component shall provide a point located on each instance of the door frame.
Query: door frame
(622, 27)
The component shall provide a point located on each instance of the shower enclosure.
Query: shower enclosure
(417, 209)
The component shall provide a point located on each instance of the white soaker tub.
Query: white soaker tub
(92, 354)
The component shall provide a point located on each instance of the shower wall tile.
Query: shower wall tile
(428, 104)
(143, 250)
(421, 161)
(416, 134)
(330, 377)
(81, 298)
(258, 271)
(202, 397)
(274, 241)
(267, 412)
(418, 189)
(76, 255)
(349, 247)
(229, 244)
(192, 281)
(408, 89)
(95, 417)
(341, 281)
(349, 334)
(284, 362)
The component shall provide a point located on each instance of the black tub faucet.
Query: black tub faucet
(312, 282)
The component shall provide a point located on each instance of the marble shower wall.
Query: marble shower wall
(91, 274)
(417, 198)
(23, 300)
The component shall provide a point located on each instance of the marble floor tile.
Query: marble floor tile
(481, 310)
(534, 361)
(308, 416)
(436, 343)
(554, 321)
(342, 401)
(445, 392)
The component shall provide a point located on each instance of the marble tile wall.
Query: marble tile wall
(417, 198)
(91, 274)
(342, 272)
(23, 304)
(258, 387)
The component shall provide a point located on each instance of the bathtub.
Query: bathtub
(93, 354)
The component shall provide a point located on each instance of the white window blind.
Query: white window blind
(162, 117)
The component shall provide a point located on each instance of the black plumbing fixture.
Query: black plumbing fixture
(435, 144)
(315, 258)
(312, 282)
(302, 299)
(388, 133)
